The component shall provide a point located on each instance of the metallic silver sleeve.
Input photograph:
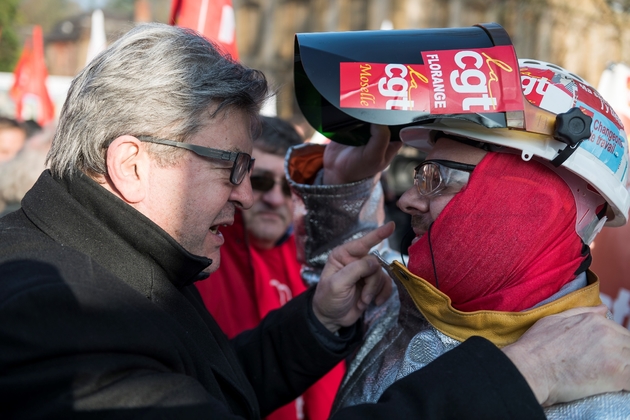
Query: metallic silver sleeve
(329, 215)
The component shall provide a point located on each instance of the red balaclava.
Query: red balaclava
(506, 241)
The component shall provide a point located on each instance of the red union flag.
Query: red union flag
(30, 76)
(449, 82)
(214, 19)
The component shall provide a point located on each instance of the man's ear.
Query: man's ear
(128, 166)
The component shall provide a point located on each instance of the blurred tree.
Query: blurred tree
(46, 13)
(9, 44)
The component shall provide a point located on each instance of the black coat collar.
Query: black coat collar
(81, 214)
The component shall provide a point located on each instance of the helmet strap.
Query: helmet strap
(564, 154)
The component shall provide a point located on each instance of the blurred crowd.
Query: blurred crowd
(23, 149)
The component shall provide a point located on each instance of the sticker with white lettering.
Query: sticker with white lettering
(556, 92)
(449, 82)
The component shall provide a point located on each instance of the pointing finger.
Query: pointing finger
(358, 248)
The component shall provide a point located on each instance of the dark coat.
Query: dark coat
(98, 316)
(98, 311)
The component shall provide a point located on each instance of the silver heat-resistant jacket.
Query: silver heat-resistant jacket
(398, 338)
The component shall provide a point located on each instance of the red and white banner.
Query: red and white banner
(449, 82)
(30, 76)
(214, 19)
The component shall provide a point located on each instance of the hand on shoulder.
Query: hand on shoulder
(572, 355)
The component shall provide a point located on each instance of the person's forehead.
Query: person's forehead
(448, 149)
(267, 161)
(230, 130)
(12, 133)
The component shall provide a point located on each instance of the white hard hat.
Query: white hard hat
(599, 159)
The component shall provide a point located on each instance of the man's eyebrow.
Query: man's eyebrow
(237, 149)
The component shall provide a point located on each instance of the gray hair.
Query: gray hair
(157, 80)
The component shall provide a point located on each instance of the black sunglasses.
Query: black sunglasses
(266, 181)
(243, 163)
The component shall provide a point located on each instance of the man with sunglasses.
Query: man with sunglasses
(259, 269)
(501, 252)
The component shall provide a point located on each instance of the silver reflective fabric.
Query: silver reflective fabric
(398, 339)
(330, 215)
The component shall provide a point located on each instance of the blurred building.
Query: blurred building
(66, 46)
(66, 49)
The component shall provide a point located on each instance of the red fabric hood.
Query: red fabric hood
(506, 241)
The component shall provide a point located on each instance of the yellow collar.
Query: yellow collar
(502, 328)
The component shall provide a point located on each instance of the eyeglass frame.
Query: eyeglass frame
(219, 154)
(447, 164)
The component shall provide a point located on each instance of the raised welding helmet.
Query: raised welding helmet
(467, 82)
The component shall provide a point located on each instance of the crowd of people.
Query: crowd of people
(181, 256)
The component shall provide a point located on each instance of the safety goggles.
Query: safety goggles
(432, 177)
(243, 163)
(265, 181)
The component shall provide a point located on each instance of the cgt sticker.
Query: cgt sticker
(449, 82)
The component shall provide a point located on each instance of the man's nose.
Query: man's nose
(242, 194)
(274, 196)
(411, 202)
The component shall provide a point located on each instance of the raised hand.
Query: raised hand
(351, 280)
(344, 164)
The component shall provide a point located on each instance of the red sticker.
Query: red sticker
(382, 86)
(551, 91)
(449, 82)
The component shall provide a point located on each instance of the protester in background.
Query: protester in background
(501, 241)
(32, 127)
(12, 138)
(259, 269)
(18, 174)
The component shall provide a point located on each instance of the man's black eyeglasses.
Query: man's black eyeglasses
(243, 163)
(265, 182)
